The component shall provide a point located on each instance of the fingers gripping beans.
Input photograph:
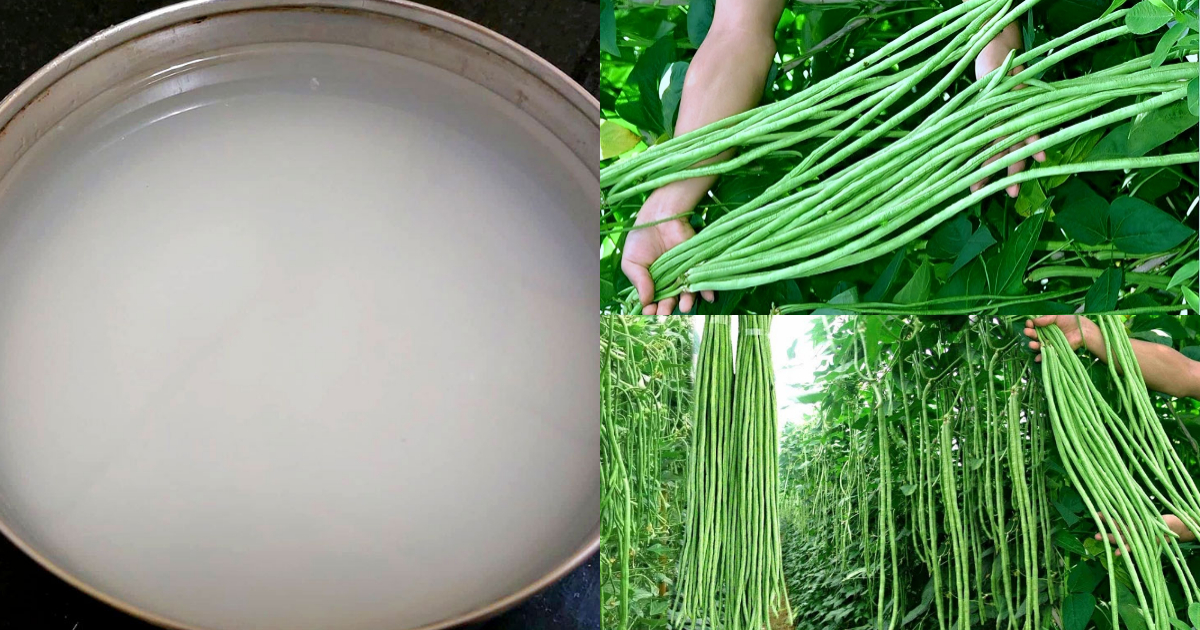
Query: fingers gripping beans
(1120, 466)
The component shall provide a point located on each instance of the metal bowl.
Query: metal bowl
(131, 65)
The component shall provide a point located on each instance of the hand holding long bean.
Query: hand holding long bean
(724, 78)
(993, 56)
(1164, 369)
(1174, 523)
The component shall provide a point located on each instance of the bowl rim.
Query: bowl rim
(28, 92)
(199, 10)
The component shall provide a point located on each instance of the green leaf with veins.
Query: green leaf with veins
(1147, 17)
(1140, 228)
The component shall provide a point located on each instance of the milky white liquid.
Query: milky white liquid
(300, 339)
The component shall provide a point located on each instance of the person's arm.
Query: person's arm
(726, 77)
(1164, 369)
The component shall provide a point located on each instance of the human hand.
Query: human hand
(645, 245)
(1172, 522)
(991, 57)
(1077, 328)
(1176, 525)
(1112, 538)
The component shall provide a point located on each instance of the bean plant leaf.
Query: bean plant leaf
(1184, 274)
(1015, 254)
(1140, 228)
(979, 241)
(1077, 610)
(1095, 548)
(1156, 184)
(608, 28)
(1102, 297)
(1070, 499)
(646, 111)
(1066, 14)
(1193, 96)
(849, 296)
(968, 281)
(1194, 614)
(1179, 625)
(1168, 325)
(1132, 616)
(1067, 542)
(884, 283)
(1085, 577)
(738, 189)
(1153, 337)
(1158, 127)
(1084, 215)
(1030, 198)
(1147, 17)
(950, 238)
(636, 112)
(1069, 516)
(1193, 301)
(917, 288)
(1113, 145)
(699, 20)
(1190, 20)
(1163, 49)
(615, 139)
(1116, 4)
(926, 599)
(871, 338)
(670, 99)
(1073, 153)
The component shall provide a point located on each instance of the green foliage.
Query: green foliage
(834, 496)
(989, 250)
(699, 19)
(1077, 610)
(1147, 17)
(645, 411)
(839, 597)
(1102, 297)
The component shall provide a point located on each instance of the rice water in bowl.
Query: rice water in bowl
(297, 317)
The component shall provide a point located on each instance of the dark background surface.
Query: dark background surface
(564, 32)
(32, 32)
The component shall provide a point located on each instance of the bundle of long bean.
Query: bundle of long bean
(707, 525)
(1120, 466)
(850, 212)
(616, 498)
(754, 576)
(887, 522)
(731, 565)
(645, 370)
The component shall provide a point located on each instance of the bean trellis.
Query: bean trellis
(1004, 465)
(945, 481)
(645, 403)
